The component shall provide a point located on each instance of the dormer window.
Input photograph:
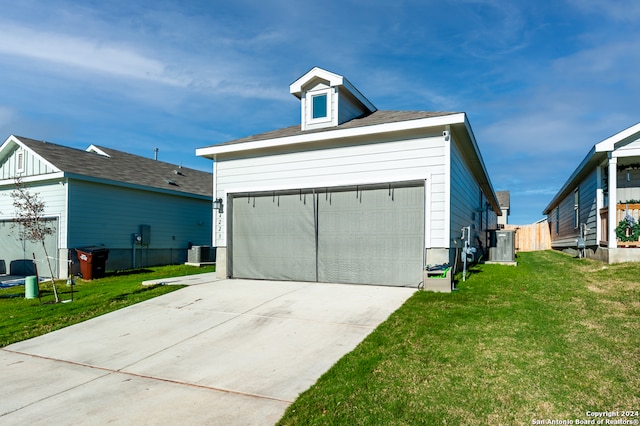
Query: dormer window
(319, 106)
(328, 100)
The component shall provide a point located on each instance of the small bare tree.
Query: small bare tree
(29, 209)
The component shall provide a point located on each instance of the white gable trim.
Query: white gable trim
(96, 150)
(609, 143)
(212, 151)
(335, 80)
(14, 140)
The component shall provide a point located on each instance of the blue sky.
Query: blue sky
(541, 81)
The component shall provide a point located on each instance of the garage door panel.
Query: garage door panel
(362, 235)
(12, 247)
(274, 237)
(371, 236)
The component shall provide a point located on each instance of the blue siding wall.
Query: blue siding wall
(467, 200)
(104, 215)
(567, 232)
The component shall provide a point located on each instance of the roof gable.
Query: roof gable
(619, 140)
(17, 159)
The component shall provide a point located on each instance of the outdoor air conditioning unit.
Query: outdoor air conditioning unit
(201, 254)
(502, 245)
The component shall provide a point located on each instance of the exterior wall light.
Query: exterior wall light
(217, 205)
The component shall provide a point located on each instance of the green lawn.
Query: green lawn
(550, 339)
(22, 318)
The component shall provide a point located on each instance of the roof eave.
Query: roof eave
(597, 154)
(479, 169)
(130, 185)
(590, 160)
(245, 147)
(609, 144)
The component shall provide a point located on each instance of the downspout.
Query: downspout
(214, 241)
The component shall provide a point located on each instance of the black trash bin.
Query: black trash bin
(92, 261)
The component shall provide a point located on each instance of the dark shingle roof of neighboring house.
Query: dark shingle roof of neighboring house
(375, 118)
(504, 199)
(123, 167)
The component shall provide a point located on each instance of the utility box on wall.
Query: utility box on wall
(145, 234)
(502, 246)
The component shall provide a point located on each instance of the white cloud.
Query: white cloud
(605, 63)
(85, 53)
(620, 10)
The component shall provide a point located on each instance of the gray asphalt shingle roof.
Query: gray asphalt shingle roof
(123, 167)
(375, 118)
(504, 198)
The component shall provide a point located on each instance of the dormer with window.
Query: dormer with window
(328, 99)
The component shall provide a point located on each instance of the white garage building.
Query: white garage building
(352, 195)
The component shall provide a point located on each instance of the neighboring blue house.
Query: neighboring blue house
(103, 197)
(599, 194)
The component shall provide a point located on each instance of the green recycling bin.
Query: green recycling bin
(30, 287)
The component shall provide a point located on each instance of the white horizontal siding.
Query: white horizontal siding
(107, 215)
(374, 163)
(384, 161)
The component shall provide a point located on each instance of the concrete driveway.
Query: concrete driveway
(217, 352)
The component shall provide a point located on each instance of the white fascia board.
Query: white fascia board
(359, 96)
(95, 149)
(334, 80)
(609, 143)
(634, 152)
(32, 179)
(7, 142)
(399, 126)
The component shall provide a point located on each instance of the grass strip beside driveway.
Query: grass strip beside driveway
(550, 339)
(21, 318)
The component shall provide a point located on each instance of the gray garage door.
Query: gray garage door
(274, 236)
(13, 249)
(366, 235)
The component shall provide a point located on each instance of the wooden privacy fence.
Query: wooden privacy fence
(532, 237)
